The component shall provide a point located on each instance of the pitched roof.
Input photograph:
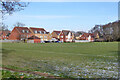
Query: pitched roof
(38, 29)
(6, 32)
(22, 28)
(79, 33)
(87, 34)
(65, 32)
(47, 32)
(57, 32)
(33, 37)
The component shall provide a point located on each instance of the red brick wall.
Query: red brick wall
(3, 36)
(61, 34)
(14, 35)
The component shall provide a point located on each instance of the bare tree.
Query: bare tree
(3, 27)
(19, 24)
(9, 7)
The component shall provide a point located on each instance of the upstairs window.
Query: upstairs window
(40, 32)
(44, 32)
(35, 32)
(23, 31)
(41, 37)
(61, 36)
(27, 31)
(45, 37)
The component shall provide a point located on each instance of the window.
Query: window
(61, 36)
(45, 37)
(23, 31)
(40, 32)
(44, 32)
(27, 36)
(41, 37)
(35, 32)
(27, 31)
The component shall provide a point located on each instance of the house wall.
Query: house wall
(54, 35)
(49, 36)
(62, 37)
(44, 37)
(69, 37)
(15, 35)
(3, 35)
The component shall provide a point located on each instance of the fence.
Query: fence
(82, 41)
(10, 41)
(30, 41)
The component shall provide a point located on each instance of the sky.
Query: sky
(74, 16)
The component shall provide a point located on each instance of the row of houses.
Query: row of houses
(40, 35)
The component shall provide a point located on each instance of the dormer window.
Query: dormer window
(27, 31)
(40, 32)
(23, 31)
(44, 32)
(35, 32)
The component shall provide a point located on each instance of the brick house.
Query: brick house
(55, 34)
(4, 34)
(66, 36)
(87, 36)
(41, 33)
(20, 33)
(78, 35)
(34, 39)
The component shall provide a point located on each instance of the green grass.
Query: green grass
(87, 60)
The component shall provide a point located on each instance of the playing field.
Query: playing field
(84, 60)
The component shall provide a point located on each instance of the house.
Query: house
(34, 39)
(41, 33)
(4, 34)
(98, 37)
(20, 33)
(78, 35)
(66, 36)
(87, 36)
(55, 34)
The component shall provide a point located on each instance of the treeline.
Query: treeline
(110, 31)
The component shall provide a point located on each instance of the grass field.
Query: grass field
(84, 60)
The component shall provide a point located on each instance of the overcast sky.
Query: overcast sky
(75, 16)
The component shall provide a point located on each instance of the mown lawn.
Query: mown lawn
(84, 60)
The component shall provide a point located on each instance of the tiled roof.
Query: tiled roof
(57, 32)
(65, 32)
(87, 34)
(38, 29)
(22, 28)
(33, 37)
(47, 32)
(6, 32)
